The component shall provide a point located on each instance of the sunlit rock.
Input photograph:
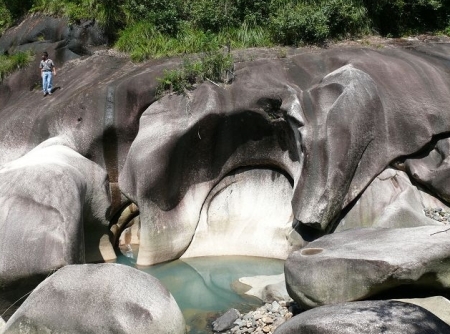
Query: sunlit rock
(357, 264)
(98, 298)
(391, 200)
(55, 205)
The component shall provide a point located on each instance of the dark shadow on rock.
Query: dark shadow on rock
(200, 154)
(13, 295)
(306, 232)
(54, 89)
(366, 317)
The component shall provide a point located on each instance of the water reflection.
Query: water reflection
(202, 286)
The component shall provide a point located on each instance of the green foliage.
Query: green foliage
(346, 18)
(18, 8)
(247, 36)
(18, 60)
(294, 24)
(74, 10)
(165, 16)
(143, 41)
(213, 15)
(214, 66)
(108, 13)
(316, 21)
(5, 17)
(158, 28)
(399, 17)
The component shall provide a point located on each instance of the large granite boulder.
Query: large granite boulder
(98, 298)
(391, 117)
(391, 200)
(432, 170)
(359, 263)
(55, 205)
(201, 142)
(437, 305)
(39, 32)
(366, 317)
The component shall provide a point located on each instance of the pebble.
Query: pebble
(265, 319)
(437, 214)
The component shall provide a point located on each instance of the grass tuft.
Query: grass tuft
(16, 61)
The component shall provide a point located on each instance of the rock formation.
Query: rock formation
(51, 197)
(368, 317)
(98, 298)
(357, 264)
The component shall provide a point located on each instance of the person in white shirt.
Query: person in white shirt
(48, 70)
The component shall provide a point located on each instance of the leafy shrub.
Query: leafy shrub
(346, 18)
(213, 15)
(294, 24)
(5, 17)
(253, 12)
(398, 17)
(18, 8)
(165, 16)
(18, 60)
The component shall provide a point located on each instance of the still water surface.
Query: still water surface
(202, 286)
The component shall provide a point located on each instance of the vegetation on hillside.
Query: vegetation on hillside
(156, 28)
(216, 67)
(10, 63)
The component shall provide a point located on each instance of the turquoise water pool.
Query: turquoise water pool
(203, 287)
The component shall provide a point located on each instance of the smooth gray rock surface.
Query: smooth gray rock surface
(391, 200)
(226, 321)
(437, 305)
(433, 170)
(366, 317)
(40, 33)
(98, 298)
(54, 212)
(356, 264)
(247, 213)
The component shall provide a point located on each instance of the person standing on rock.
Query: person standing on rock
(48, 70)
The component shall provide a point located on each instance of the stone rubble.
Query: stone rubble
(265, 319)
(437, 214)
